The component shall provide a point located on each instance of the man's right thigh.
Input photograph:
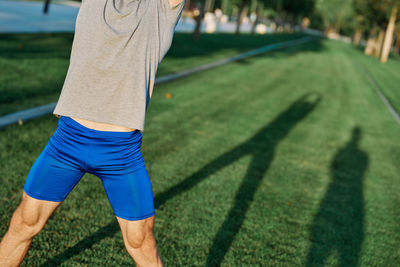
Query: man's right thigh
(51, 179)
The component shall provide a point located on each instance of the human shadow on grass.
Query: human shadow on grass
(339, 224)
(261, 146)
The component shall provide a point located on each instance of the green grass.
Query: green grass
(33, 66)
(387, 77)
(284, 159)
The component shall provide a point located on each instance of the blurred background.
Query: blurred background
(272, 137)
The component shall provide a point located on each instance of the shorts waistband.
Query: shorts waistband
(96, 133)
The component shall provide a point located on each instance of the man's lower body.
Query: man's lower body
(72, 151)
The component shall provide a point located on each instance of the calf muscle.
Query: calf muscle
(27, 221)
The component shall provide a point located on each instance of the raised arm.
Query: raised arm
(174, 3)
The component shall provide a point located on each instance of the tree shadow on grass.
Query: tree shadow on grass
(22, 46)
(339, 223)
(262, 148)
(56, 47)
(183, 45)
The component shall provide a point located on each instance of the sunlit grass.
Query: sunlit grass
(284, 159)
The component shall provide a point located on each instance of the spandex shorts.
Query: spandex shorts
(114, 157)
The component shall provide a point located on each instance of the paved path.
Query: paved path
(22, 16)
(18, 16)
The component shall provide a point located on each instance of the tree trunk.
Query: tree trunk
(369, 48)
(378, 44)
(397, 45)
(199, 19)
(253, 27)
(338, 24)
(187, 5)
(357, 37)
(240, 18)
(329, 30)
(387, 45)
(46, 6)
(209, 7)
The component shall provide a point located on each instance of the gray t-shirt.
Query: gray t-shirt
(117, 47)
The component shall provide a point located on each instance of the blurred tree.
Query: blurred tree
(285, 10)
(387, 44)
(357, 35)
(227, 7)
(316, 20)
(209, 6)
(258, 11)
(199, 19)
(397, 45)
(361, 23)
(46, 6)
(335, 14)
(379, 18)
(291, 11)
(371, 19)
(243, 4)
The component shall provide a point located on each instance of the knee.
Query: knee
(24, 223)
(138, 235)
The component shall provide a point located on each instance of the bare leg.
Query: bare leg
(27, 221)
(139, 241)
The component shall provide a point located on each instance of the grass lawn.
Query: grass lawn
(386, 76)
(33, 66)
(284, 159)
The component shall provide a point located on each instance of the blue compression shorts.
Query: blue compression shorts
(114, 157)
